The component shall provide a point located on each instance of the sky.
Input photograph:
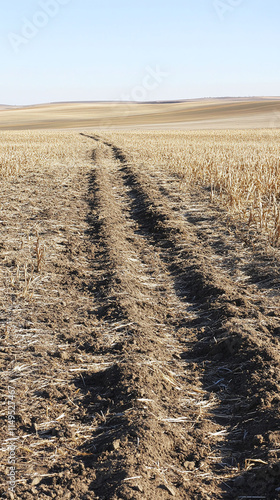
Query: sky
(137, 50)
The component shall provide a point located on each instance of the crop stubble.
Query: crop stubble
(145, 348)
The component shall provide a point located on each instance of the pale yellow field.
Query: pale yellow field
(22, 151)
(196, 114)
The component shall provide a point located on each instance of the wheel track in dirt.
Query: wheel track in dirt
(146, 364)
(48, 330)
(221, 341)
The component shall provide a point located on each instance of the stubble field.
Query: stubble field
(139, 297)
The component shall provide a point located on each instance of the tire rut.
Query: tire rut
(229, 336)
(138, 292)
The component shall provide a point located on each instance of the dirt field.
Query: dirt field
(140, 332)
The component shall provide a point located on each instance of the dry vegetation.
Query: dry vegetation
(25, 151)
(241, 169)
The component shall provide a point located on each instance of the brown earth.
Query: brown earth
(140, 330)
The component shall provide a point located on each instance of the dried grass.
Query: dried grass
(239, 169)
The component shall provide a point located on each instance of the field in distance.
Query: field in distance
(224, 113)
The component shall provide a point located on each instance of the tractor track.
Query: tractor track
(223, 328)
(145, 351)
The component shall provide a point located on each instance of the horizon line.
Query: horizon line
(159, 101)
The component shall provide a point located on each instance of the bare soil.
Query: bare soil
(140, 330)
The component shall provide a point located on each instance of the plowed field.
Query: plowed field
(140, 336)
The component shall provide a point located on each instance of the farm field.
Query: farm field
(139, 297)
(218, 113)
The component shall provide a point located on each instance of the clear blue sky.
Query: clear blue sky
(109, 50)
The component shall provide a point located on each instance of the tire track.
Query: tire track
(244, 333)
(48, 330)
(228, 336)
(150, 386)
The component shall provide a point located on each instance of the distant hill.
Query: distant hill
(5, 106)
(206, 113)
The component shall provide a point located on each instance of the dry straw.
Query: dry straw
(239, 169)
